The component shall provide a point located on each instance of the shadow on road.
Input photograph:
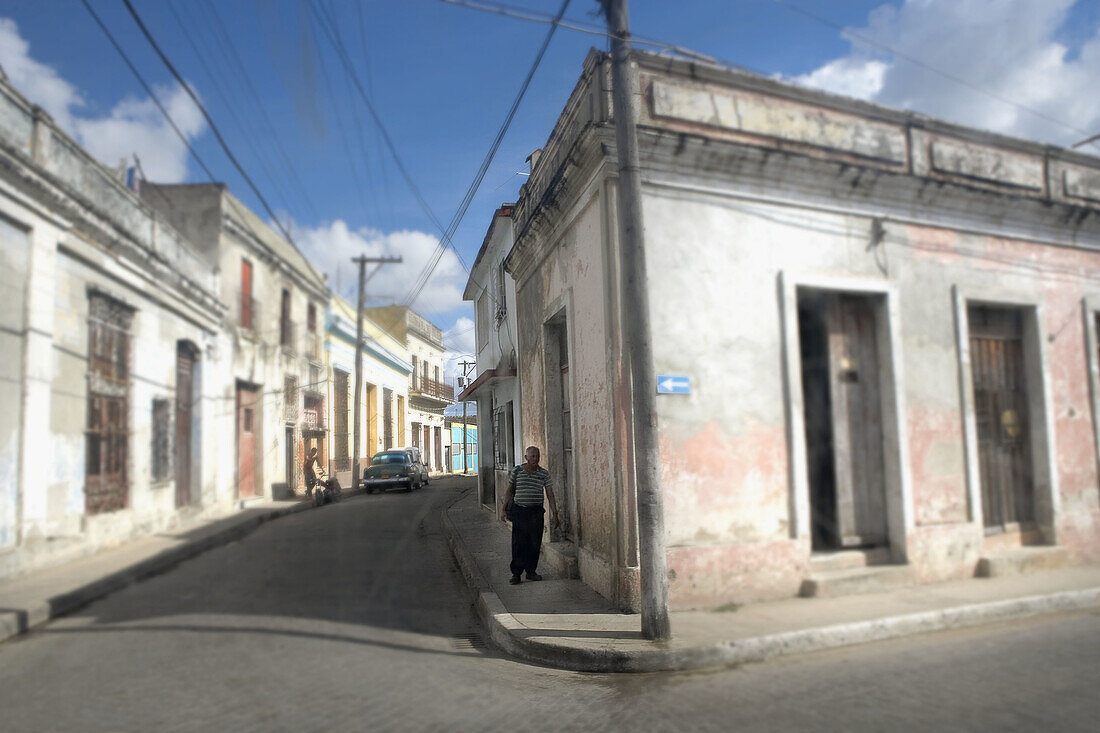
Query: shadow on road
(374, 561)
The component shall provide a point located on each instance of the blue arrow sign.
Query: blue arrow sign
(673, 384)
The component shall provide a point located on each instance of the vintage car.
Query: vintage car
(395, 468)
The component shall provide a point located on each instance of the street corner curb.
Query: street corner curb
(14, 622)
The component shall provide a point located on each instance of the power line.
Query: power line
(480, 176)
(148, 90)
(511, 11)
(945, 74)
(206, 115)
(341, 53)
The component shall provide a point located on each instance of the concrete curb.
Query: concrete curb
(16, 621)
(508, 634)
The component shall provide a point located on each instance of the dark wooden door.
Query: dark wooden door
(439, 449)
(185, 373)
(856, 421)
(1000, 409)
(246, 442)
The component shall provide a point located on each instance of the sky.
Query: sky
(442, 77)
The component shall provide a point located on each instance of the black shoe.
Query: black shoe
(515, 580)
(534, 576)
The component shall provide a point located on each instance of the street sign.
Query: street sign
(673, 384)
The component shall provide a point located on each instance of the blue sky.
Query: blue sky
(442, 78)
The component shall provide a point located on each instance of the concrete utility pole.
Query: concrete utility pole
(635, 307)
(465, 371)
(362, 262)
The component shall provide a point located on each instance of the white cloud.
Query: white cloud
(1008, 48)
(134, 126)
(330, 247)
(860, 78)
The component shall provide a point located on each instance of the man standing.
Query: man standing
(527, 484)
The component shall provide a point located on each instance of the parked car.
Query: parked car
(395, 468)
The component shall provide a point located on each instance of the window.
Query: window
(412, 377)
(248, 307)
(502, 294)
(340, 415)
(436, 374)
(286, 331)
(290, 399)
(482, 321)
(107, 436)
(162, 432)
(502, 436)
(311, 318)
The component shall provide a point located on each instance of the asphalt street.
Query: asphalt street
(353, 617)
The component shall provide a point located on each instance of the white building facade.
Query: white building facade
(277, 305)
(494, 385)
(428, 391)
(111, 321)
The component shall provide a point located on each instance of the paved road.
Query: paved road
(353, 617)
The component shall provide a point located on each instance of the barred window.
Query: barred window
(162, 439)
(503, 437)
(107, 436)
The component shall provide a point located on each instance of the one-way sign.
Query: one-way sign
(673, 384)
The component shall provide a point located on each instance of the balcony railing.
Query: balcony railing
(312, 419)
(431, 388)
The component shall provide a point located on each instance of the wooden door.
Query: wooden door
(246, 441)
(439, 449)
(185, 372)
(1000, 409)
(858, 462)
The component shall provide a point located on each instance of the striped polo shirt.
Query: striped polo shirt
(529, 487)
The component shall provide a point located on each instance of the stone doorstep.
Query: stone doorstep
(561, 558)
(854, 580)
(1021, 561)
(843, 559)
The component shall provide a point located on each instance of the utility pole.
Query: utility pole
(466, 365)
(635, 307)
(362, 262)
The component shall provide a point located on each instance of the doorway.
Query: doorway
(842, 399)
(559, 422)
(185, 400)
(1005, 464)
(247, 421)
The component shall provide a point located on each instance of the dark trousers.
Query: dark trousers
(527, 525)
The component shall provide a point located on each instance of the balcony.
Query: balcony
(312, 348)
(422, 386)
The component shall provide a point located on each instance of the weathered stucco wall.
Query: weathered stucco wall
(573, 280)
(726, 469)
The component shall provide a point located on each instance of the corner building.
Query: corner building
(888, 324)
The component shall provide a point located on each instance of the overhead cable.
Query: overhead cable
(206, 115)
(488, 159)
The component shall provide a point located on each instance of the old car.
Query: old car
(395, 468)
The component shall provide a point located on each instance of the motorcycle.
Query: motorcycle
(324, 490)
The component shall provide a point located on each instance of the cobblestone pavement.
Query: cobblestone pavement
(353, 617)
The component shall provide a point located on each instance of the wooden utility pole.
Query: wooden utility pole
(362, 261)
(636, 329)
(465, 371)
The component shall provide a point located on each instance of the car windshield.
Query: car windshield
(383, 458)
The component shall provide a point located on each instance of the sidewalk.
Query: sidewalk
(564, 623)
(31, 600)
